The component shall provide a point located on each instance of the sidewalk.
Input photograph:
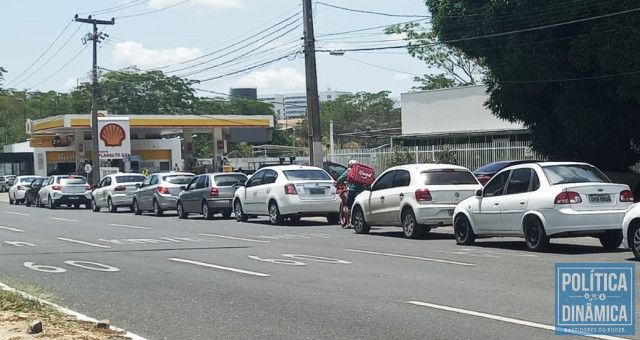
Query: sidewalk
(4, 197)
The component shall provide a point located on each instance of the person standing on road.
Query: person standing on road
(354, 190)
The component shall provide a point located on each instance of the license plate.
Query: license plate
(74, 198)
(316, 191)
(600, 198)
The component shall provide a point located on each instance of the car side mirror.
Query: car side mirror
(27, 185)
(183, 188)
(138, 185)
(241, 183)
(95, 186)
(479, 193)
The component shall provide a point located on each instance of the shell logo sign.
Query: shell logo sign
(113, 137)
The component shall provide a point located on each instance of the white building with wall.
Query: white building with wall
(294, 105)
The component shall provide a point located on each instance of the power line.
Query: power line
(246, 69)
(154, 11)
(117, 8)
(371, 12)
(61, 68)
(568, 79)
(365, 29)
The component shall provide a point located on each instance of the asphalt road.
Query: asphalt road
(165, 278)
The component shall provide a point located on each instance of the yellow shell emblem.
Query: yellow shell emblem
(112, 134)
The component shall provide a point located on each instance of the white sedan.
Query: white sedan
(115, 190)
(19, 188)
(416, 197)
(542, 200)
(287, 192)
(631, 229)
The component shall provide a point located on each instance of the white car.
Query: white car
(115, 190)
(287, 191)
(416, 197)
(19, 188)
(65, 189)
(542, 200)
(631, 229)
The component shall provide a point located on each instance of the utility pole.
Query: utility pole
(95, 153)
(313, 107)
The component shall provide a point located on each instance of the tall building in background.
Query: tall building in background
(294, 105)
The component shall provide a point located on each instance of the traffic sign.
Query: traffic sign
(87, 168)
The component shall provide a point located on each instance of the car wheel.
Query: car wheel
(27, 202)
(226, 214)
(534, 235)
(611, 239)
(94, 206)
(10, 200)
(634, 239)
(206, 212)
(274, 214)
(333, 218)
(157, 211)
(39, 202)
(112, 208)
(237, 210)
(358, 222)
(410, 227)
(136, 208)
(462, 230)
(50, 203)
(181, 213)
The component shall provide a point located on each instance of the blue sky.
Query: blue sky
(42, 48)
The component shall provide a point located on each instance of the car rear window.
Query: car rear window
(68, 181)
(228, 180)
(311, 174)
(130, 179)
(573, 173)
(177, 179)
(448, 177)
(492, 167)
(27, 179)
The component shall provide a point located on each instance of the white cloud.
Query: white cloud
(272, 81)
(207, 3)
(402, 77)
(134, 53)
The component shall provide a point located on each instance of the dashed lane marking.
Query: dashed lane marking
(82, 242)
(62, 219)
(235, 238)
(17, 213)
(12, 229)
(128, 226)
(215, 266)
(410, 257)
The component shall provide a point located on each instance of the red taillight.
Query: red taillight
(483, 179)
(120, 188)
(290, 189)
(626, 196)
(19, 187)
(423, 195)
(163, 190)
(214, 191)
(55, 187)
(568, 197)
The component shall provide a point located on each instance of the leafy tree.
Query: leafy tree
(446, 156)
(2, 72)
(567, 71)
(401, 155)
(456, 68)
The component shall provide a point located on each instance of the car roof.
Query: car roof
(292, 167)
(428, 166)
(165, 173)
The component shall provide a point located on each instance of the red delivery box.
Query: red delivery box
(361, 174)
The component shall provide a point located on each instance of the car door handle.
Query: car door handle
(382, 198)
(496, 204)
(521, 202)
(268, 190)
(401, 196)
(255, 192)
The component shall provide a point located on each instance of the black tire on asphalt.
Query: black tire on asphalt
(410, 227)
(333, 218)
(462, 230)
(39, 202)
(207, 213)
(136, 208)
(634, 239)
(534, 235)
(27, 202)
(50, 203)
(157, 211)
(181, 213)
(237, 210)
(94, 205)
(112, 208)
(611, 239)
(274, 214)
(358, 222)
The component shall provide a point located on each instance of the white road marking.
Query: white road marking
(235, 238)
(17, 213)
(215, 266)
(62, 219)
(505, 319)
(12, 229)
(410, 257)
(82, 242)
(128, 226)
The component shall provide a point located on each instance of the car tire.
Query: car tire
(611, 239)
(410, 227)
(157, 211)
(237, 210)
(27, 203)
(226, 214)
(634, 239)
(207, 213)
(94, 206)
(112, 208)
(358, 222)
(274, 214)
(10, 200)
(181, 213)
(534, 235)
(50, 203)
(136, 208)
(333, 218)
(462, 230)
(39, 202)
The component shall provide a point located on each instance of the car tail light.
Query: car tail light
(163, 190)
(483, 179)
(568, 197)
(56, 187)
(626, 196)
(120, 188)
(290, 189)
(19, 187)
(423, 195)
(214, 192)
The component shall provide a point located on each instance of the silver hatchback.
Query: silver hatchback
(208, 194)
(159, 192)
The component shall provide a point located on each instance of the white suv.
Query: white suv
(67, 189)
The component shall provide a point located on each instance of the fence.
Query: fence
(472, 156)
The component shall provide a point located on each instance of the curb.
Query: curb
(67, 311)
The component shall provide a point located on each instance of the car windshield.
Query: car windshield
(27, 179)
(573, 173)
(228, 180)
(448, 177)
(177, 179)
(311, 174)
(130, 179)
(74, 180)
(492, 167)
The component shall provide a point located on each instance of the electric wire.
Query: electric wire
(116, 8)
(154, 11)
(371, 12)
(61, 68)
